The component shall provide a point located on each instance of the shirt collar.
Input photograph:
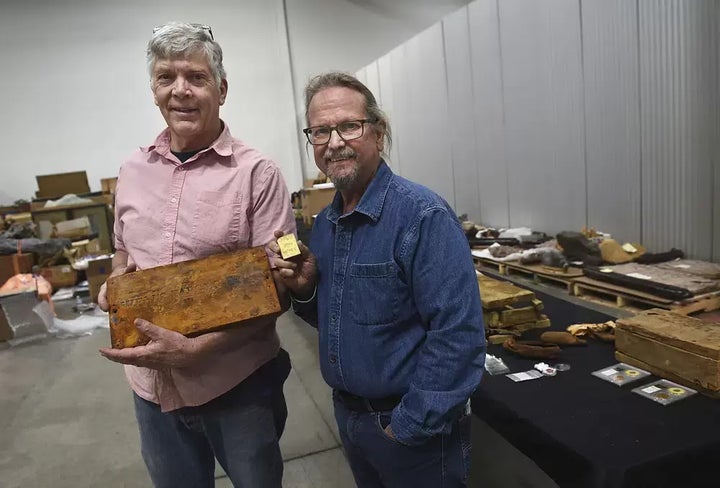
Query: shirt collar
(222, 145)
(372, 201)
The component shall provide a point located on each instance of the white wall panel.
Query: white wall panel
(80, 93)
(541, 63)
(348, 34)
(612, 116)
(487, 79)
(372, 80)
(679, 96)
(387, 103)
(461, 114)
(421, 119)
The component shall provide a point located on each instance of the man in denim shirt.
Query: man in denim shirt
(389, 282)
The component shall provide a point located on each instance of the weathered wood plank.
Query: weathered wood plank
(690, 334)
(675, 346)
(496, 294)
(192, 297)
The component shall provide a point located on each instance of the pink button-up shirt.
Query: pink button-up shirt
(227, 197)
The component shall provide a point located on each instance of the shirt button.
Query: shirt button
(167, 234)
(173, 200)
(333, 358)
(333, 317)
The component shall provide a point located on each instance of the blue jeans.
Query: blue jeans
(240, 428)
(377, 461)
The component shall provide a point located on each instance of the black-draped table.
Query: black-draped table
(586, 432)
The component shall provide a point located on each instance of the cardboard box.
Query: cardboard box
(15, 264)
(57, 185)
(108, 185)
(97, 273)
(314, 200)
(74, 228)
(192, 297)
(673, 346)
(59, 276)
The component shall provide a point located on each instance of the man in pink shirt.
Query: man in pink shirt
(194, 192)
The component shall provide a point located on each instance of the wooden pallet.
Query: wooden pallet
(491, 264)
(623, 297)
(545, 274)
(537, 272)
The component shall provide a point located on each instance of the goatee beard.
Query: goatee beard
(345, 182)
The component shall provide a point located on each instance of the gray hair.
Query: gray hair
(177, 40)
(345, 80)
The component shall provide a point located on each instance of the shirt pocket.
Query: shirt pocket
(374, 295)
(217, 221)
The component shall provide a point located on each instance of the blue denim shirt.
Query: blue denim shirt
(398, 305)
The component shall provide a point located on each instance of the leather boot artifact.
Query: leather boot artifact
(532, 349)
(561, 339)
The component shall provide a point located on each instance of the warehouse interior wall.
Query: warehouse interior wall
(566, 113)
(76, 92)
(76, 95)
(554, 114)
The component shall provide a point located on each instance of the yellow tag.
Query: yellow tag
(288, 246)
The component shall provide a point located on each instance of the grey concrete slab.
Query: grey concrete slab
(67, 416)
(328, 469)
(302, 341)
(73, 423)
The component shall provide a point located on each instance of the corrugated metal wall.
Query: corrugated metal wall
(612, 116)
(679, 103)
(564, 113)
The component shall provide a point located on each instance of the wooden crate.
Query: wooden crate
(192, 297)
(673, 346)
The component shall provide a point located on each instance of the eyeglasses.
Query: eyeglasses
(348, 131)
(204, 27)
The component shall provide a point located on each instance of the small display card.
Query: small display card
(621, 374)
(664, 392)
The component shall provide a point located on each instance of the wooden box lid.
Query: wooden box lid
(673, 329)
(192, 297)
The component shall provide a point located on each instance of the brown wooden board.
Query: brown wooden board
(192, 297)
(496, 294)
(665, 374)
(673, 344)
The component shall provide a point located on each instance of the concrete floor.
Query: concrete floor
(66, 421)
(66, 418)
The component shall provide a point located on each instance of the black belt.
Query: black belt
(360, 404)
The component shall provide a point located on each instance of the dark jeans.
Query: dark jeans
(377, 461)
(240, 428)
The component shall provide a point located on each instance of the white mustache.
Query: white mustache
(344, 154)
